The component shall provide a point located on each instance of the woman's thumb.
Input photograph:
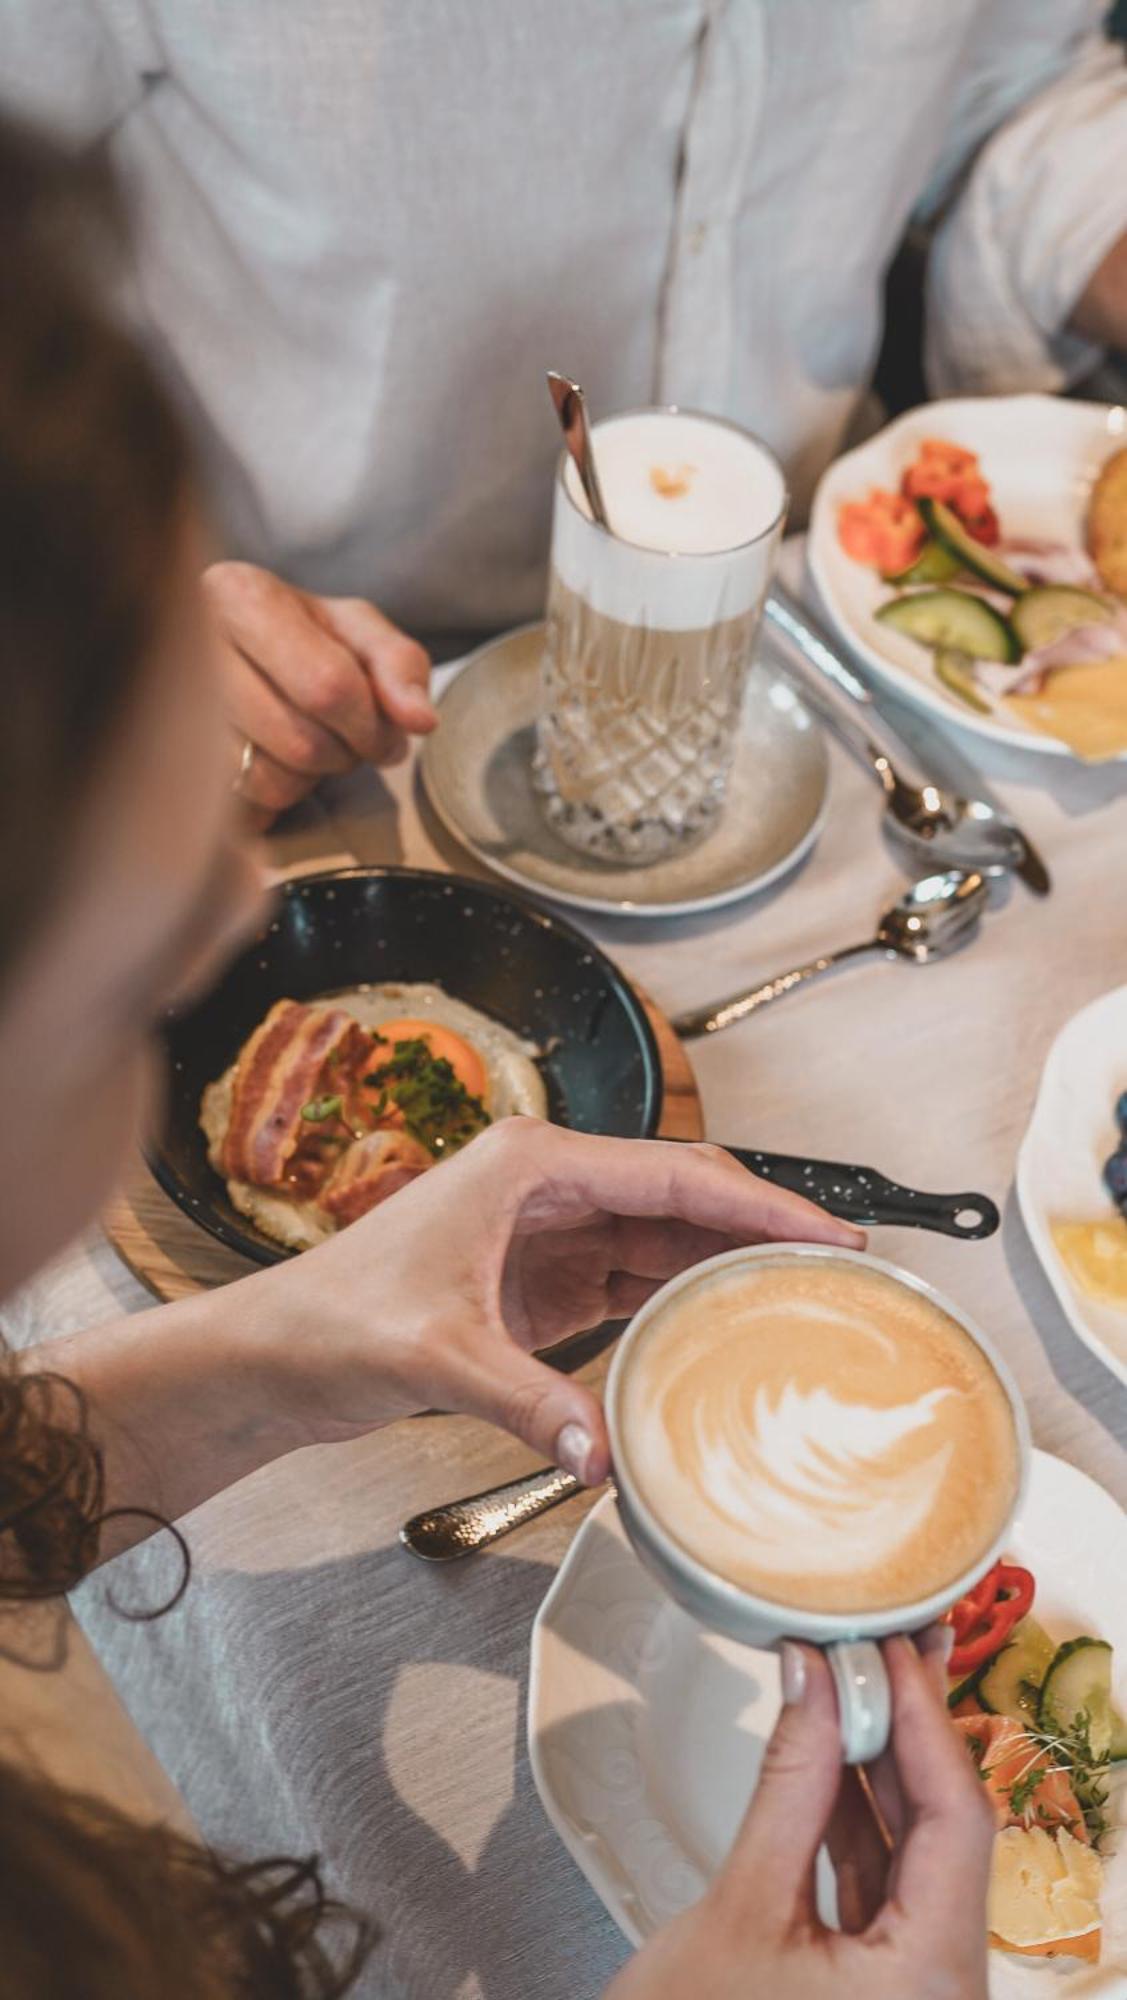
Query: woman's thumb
(551, 1413)
(771, 1866)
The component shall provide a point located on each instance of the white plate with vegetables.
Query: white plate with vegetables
(1072, 1175)
(646, 1733)
(974, 555)
(1038, 1693)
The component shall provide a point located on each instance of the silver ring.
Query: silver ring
(246, 765)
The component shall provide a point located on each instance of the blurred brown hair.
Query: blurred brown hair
(94, 1907)
(93, 476)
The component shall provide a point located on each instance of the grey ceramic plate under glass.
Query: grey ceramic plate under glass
(477, 772)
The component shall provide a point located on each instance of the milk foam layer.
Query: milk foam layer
(696, 506)
(820, 1435)
(681, 483)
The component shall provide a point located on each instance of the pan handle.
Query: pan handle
(860, 1194)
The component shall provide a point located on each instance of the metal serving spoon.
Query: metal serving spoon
(932, 919)
(571, 409)
(930, 819)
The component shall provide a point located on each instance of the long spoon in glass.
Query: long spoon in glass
(571, 409)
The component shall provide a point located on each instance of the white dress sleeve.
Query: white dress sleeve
(76, 67)
(1041, 204)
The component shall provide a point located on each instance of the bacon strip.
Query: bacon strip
(279, 1069)
(369, 1171)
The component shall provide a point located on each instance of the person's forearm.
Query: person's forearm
(1100, 313)
(435, 1299)
(182, 1402)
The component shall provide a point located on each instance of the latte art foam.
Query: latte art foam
(820, 1435)
(778, 1482)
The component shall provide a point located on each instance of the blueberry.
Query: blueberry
(1121, 1112)
(1115, 1174)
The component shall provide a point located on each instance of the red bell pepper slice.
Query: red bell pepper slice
(984, 1619)
(973, 1608)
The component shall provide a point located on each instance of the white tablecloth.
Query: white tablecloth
(320, 1689)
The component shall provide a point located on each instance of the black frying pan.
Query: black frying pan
(500, 952)
(489, 947)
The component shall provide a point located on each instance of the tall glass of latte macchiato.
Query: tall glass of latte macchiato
(811, 1444)
(650, 630)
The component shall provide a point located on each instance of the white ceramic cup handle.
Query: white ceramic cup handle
(863, 1698)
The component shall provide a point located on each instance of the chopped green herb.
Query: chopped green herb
(1021, 1793)
(322, 1107)
(436, 1108)
(1072, 1751)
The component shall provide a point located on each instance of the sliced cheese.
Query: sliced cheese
(1044, 1888)
(1084, 706)
(1086, 1947)
(1095, 1257)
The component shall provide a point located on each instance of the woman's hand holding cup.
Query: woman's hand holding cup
(913, 1923)
(532, 1233)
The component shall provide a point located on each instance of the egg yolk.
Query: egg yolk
(442, 1042)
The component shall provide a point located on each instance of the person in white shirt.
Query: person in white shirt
(364, 233)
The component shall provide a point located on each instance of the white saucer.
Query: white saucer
(646, 1733)
(1060, 1165)
(477, 772)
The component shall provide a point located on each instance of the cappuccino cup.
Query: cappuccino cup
(809, 1443)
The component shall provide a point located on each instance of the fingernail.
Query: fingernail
(573, 1450)
(792, 1673)
(936, 1643)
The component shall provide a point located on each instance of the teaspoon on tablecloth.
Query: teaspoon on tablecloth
(443, 1534)
(931, 920)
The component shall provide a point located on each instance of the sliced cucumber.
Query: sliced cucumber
(1118, 1750)
(934, 564)
(1012, 1682)
(953, 620)
(1076, 1691)
(948, 530)
(956, 671)
(1045, 613)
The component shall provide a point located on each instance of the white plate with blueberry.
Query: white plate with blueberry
(1072, 1175)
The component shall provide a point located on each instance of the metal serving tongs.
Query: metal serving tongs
(935, 822)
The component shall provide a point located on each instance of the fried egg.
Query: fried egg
(489, 1060)
(475, 1046)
